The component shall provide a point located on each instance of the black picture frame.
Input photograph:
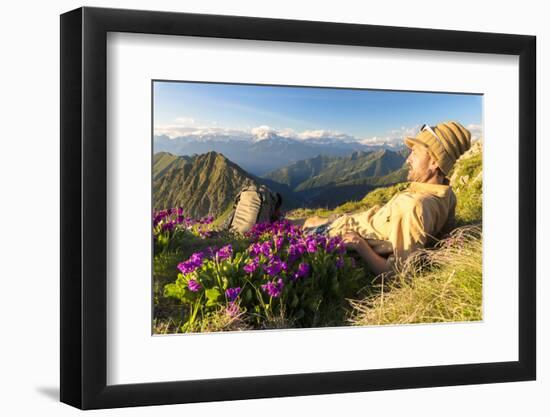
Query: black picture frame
(84, 207)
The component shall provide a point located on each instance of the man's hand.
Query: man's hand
(354, 241)
(377, 263)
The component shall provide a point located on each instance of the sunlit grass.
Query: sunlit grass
(442, 284)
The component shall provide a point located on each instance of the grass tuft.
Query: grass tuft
(440, 284)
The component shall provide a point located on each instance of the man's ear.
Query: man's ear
(433, 164)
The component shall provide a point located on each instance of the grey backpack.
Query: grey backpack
(254, 204)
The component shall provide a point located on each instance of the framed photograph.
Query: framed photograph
(260, 207)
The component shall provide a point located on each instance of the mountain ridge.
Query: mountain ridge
(325, 170)
(208, 183)
(261, 156)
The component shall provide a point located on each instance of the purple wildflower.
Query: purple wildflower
(266, 248)
(250, 267)
(260, 248)
(339, 262)
(254, 249)
(194, 262)
(168, 226)
(311, 244)
(303, 271)
(275, 266)
(278, 242)
(335, 244)
(295, 251)
(193, 285)
(206, 220)
(179, 211)
(158, 217)
(225, 252)
(210, 252)
(321, 241)
(332, 244)
(232, 293)
(274, 289)
(197, 257)
(340, 247)
(257, 230)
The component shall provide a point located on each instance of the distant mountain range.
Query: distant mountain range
(328, 170)
(208, 183)
(261, 153)
(326, 181)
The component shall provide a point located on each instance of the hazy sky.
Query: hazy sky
(359, 113)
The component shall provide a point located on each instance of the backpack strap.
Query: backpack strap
(229, 222)
(262, 204)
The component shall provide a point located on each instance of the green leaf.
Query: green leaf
(212, 294)
(172, 290)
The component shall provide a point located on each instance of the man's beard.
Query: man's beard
(414, 176)
(411, 175)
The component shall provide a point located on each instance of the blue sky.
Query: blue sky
(359, 113)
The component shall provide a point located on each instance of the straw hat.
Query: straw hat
(445, 142)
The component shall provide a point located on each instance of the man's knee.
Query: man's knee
(315, 221)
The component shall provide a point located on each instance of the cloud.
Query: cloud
(326, 134)
(265, 132)
(183, 126)
(184, 121)
(175, 131)
(188, 127)
(395, 137)
(180, 126)
(476, 131)
(392, 137)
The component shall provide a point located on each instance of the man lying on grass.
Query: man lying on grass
(385, 236)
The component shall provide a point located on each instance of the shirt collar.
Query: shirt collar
(439, 190)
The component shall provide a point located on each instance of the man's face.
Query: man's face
(420, 163)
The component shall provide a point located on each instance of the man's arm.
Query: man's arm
(377, 263)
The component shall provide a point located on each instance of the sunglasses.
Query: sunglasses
(429, 129)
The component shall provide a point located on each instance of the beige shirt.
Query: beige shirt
(405, 223)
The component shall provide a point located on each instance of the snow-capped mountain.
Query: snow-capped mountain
(260, 149)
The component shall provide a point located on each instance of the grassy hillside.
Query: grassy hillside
(357, 166)
(329, 181)
(205, 184)
(467, 183)
(379, 196)
(438, 285)
(164, 162)
(354, 169)
(296, 173)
